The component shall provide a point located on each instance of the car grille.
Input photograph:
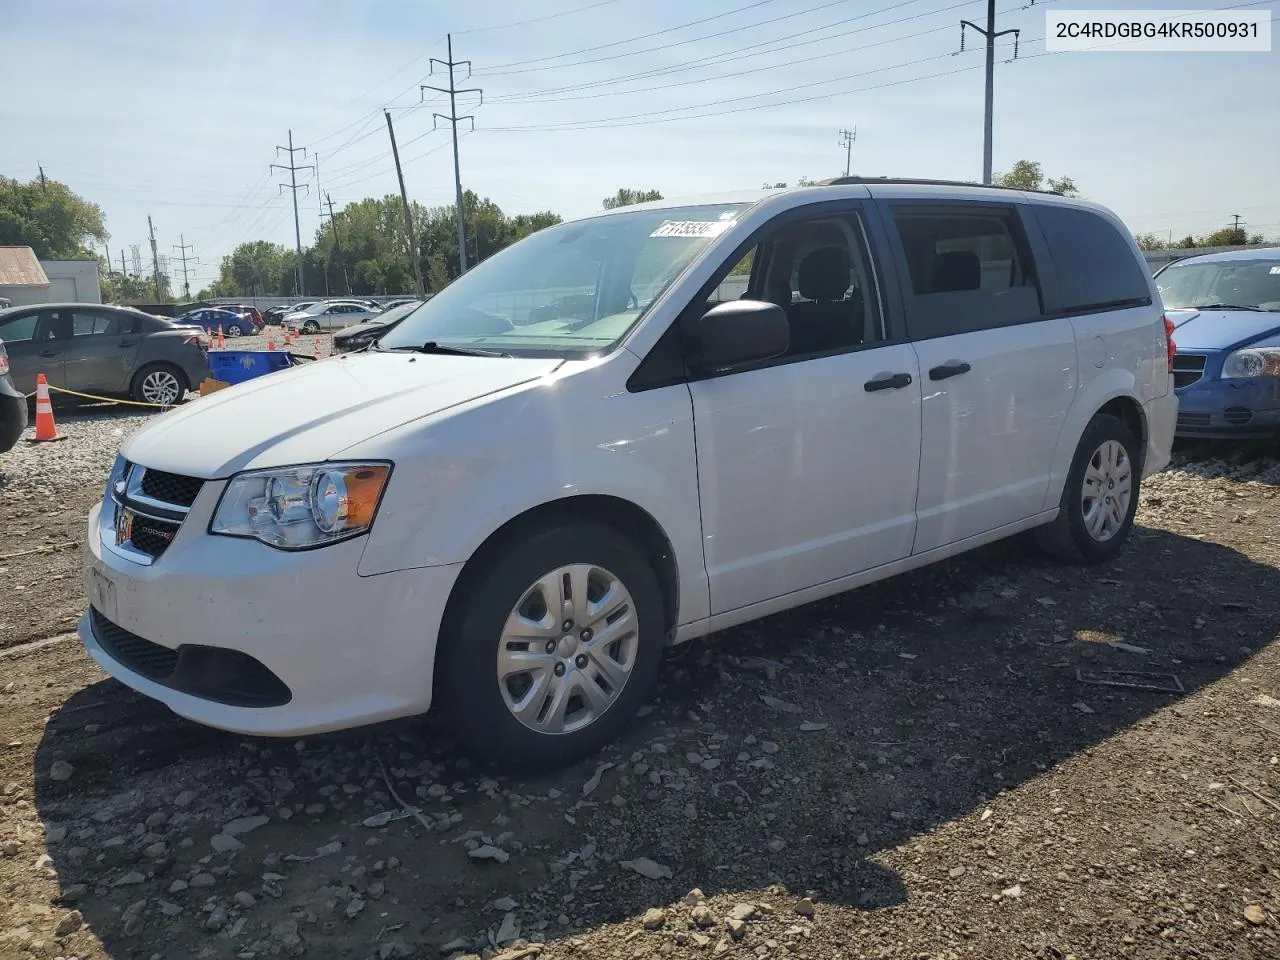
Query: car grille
(141, 656)
(1187, 369)
(158, 501)
(1193, 420)
(171, 487)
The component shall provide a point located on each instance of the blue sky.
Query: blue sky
(175, 109)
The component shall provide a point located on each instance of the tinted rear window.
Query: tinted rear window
(1095, 263)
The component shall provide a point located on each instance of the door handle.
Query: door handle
(50, 353)
(124, 344)
(888, 381)
(952, 368)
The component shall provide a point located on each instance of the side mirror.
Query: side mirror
(740, 331)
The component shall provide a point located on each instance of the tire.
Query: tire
(311, 326)
(235, 330)
(147, 382)
(475, 701)
(1084, 535)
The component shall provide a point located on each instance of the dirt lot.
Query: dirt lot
(930, 778)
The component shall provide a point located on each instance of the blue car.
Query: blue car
(210, 318)
(1225, 308)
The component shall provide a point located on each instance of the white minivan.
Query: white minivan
(624, 432)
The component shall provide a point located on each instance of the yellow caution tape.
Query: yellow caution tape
(90, 396)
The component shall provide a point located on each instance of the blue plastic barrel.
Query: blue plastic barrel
(237, 366)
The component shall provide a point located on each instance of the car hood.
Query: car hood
(1220, 329)
(314, 411)
(368, 326)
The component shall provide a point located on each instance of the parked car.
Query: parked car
(1226, 311)
(103, 350)
(233, 324)
(400, 301)
(363, 334)
(274, 315)
(13, 406)
(249, 312)
(514, 521)
(331, 315)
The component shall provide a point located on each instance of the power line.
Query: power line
(743, 53)
(294, 186)
(542, 19)
(453, 90)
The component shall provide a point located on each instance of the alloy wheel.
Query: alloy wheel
(161, 386)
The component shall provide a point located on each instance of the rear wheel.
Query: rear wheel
(1100, 497)
(553, 648)
(235, 330)
(311, 326)
(159, 383)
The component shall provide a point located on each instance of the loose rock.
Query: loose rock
(60, 771)
(804, 907)
(653, 918)
(1255, 914)
(69, 924)
(489, 852)
(648, 868)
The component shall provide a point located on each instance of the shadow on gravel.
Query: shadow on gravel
(892, 710)
(1236, 460)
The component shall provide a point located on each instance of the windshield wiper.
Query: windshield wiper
(432, 346)
(1227, 306)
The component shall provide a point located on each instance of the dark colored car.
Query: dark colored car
(251, 313)
(13, 406)
(363, 334)
(103, 350)
(1225, 308)
(232, 322)
(271, 316)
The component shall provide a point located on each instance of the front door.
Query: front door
(998, 376)
(807, 463)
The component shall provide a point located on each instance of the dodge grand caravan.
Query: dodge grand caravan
(505, 511)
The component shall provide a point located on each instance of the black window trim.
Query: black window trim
(645, 377)
(1027, 242)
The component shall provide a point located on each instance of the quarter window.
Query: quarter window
(970, 269)
(1097, 268)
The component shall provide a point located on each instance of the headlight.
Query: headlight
(1252, 362)
(296, 508)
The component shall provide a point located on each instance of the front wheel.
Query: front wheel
(311, 326)
(1100, 497)
(158, 383)
(235, 330)
(553, 648)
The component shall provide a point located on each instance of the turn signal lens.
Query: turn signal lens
(1170, 346)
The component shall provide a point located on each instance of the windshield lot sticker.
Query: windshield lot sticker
(692, 228)
(1274, 270)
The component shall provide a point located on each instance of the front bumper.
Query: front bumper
(222, 630)
(13, 417)
(1230, 409)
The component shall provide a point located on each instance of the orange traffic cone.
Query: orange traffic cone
(222, 341)
(46, 429)
(317, 346)
(271, 342)
(287, 340)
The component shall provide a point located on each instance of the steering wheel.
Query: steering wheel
(632, 301)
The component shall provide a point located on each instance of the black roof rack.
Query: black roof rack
(841, 181)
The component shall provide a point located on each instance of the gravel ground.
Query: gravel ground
(919, 769)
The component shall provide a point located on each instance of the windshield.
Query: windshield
(1222, 284)
(571, 290)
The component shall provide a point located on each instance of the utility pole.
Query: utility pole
(1236, 225)
(155, 259)
(124, 271)
(182, 249)
(408, 219)
(337, 242)
(453, 90)
(846, 140)
(294, 186)
(43, 183)
(991, 35)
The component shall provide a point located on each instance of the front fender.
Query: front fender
(459, 478)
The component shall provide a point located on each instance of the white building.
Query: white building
(25, 280)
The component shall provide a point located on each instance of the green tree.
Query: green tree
(626, 196)
(1149, 241)
(50, 219)
(1029, 175)
(1226, 237)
